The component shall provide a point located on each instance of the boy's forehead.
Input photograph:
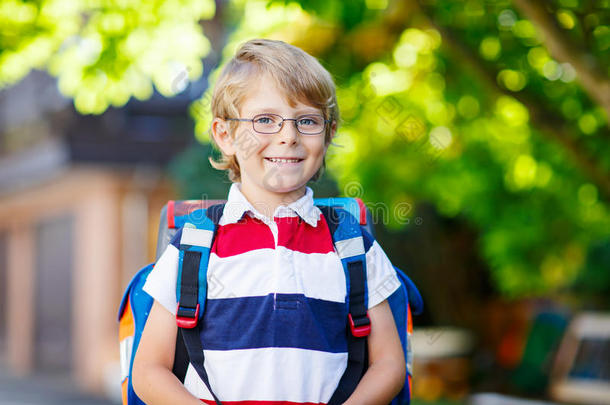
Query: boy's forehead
(266, 95)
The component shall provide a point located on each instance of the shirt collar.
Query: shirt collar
(237, 205)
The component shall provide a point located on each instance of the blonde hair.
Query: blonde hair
(299, 74)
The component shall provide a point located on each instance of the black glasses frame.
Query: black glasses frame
(281, 124)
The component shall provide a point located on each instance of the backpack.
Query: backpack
(197, 220)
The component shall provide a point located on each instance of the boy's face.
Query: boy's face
(262, 175)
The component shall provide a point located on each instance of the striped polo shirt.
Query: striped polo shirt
(274, 325)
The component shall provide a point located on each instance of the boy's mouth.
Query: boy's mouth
(283, 160)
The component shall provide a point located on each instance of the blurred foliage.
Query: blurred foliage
(105, 51)
(596, 279)
(193, 175)
(461, 104)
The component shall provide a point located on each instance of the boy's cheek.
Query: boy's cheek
(247, 143)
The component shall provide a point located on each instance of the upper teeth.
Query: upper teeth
(283, 160)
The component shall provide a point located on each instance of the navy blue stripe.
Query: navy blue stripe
(176, 238)
(275, 320)
(368, 239)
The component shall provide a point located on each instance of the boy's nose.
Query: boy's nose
(288, 132)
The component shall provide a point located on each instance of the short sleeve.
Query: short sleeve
(382, 280)
(161, 282)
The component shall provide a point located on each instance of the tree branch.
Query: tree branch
(562, 48)
(546, 121)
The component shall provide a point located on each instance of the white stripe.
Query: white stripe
(350, 247)
(264, 271)
(125, 348)
(253, 374)
(196, 237)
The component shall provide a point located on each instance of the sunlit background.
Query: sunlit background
(475, 131)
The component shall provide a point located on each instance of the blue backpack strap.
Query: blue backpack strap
(349, 204)
(195, 243)
(181, 357)
(191, 288)
(347, 238)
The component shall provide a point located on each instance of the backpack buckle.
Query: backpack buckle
(187, 317)
(362, 327)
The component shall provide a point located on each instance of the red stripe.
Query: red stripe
(296, 234)
(362, 211)
(246, 235)
(212, 402)
(251, 234)
(170, 214)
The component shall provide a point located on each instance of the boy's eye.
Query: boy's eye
(308, 121)
(264, 119)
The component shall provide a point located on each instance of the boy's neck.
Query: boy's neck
(266, 202)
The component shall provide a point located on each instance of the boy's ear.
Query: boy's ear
(222, 136)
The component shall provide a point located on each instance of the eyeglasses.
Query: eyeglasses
(309, 124)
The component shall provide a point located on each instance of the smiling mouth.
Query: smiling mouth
(283, 160)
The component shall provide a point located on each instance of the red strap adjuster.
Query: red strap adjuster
(362, 330)
(187, 322)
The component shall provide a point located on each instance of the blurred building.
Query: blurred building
(80, 198)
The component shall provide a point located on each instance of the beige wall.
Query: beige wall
(115, 219)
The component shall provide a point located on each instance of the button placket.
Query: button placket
(275, 265)
(286, 271)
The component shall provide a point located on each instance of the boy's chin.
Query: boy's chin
(284, 187)
(283, 184)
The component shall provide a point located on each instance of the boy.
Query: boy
(274, 324)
